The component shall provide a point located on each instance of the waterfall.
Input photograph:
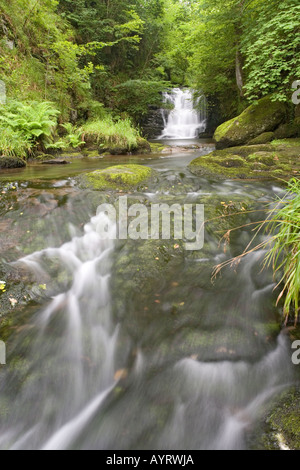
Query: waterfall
(184, 121)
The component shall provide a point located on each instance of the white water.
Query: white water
(184, 121)
(65, 395)
(73, 348)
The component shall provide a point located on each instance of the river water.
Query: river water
(130, 345)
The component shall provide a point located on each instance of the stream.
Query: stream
(129, 344)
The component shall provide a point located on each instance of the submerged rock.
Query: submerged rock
(118, 177)
(279, 159)
(263, 116)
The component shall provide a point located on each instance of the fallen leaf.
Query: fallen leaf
(13, 302)
(121, 374)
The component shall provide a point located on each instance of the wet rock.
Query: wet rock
(11, 162)
(153, 124)
(280, 427)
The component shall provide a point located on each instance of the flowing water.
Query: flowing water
(184, 121)
(130, 345)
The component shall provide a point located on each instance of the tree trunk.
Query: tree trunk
(239, 73)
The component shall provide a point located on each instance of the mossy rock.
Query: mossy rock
(7, 163)
(261, 117)
(117, 150)
(286, 131)
(118, 177)
(282, 424)
(143, 147)
(218, 166)
(287, 144)
(158, 148)
(264, 138)
(279, 159)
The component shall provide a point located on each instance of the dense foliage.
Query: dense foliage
(120, 54)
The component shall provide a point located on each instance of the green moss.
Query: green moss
(90, 153)
(223, 129)
(280, 159)
(286, 143)
(117, 177)
(263, 157)
(157, 147)
(143, 147)
(261, 117)
(264, 138)
(233, 161)
(284, 419)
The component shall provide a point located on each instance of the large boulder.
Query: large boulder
(263, 116)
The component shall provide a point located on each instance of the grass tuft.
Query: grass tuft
(106, 132)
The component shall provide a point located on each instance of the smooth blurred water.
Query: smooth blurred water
(121, 354)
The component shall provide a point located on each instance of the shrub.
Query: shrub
(13, 143)
(34, 121)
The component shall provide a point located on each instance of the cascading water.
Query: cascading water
(184, 121)
(133, 347)
(73, 346)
